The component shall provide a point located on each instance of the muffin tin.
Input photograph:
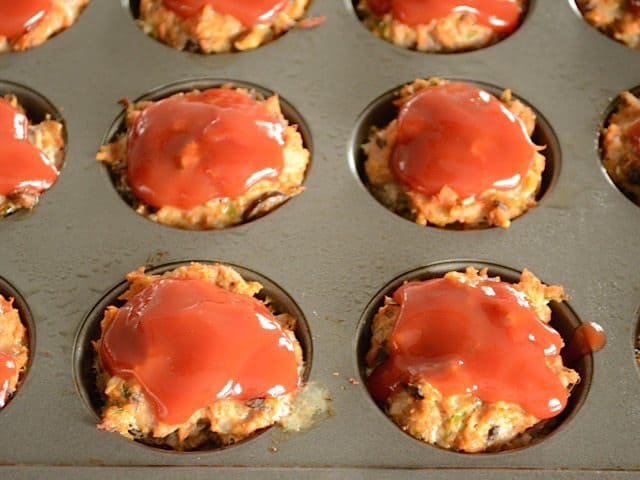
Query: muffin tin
(331, 249)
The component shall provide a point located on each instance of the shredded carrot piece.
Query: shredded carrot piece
(312, 22)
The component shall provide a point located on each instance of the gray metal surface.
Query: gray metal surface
(331, 249)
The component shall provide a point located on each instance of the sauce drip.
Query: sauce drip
(634, 7)
(7, 372)
(499, 15)
(18, 16)
(481, 339)
(22, 165)
(457, 135)
(186, 150)
(248, 12)
(189, 342)
(587, 338)
(633, 133)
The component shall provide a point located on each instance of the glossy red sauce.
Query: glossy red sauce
(186, 150)
(500, 15)
(22, 165)
(633, 134)
(249, 12)
(190, 342)
(587, 338)
(482, 339)
(18, 16)
(457, 135)
(7, 372)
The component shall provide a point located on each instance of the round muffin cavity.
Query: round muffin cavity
(217, 26)
(618, 19)
(239, 360)
(450, 386)
(441, 25)
(207, 159)
(28, 23)
(620, 146)
(32, 147)
(14, 349)
(414, 168)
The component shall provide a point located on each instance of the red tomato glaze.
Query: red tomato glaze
(22, 165)
(633, 134)
(18, 16)
(500, 15)
(587, 338)
(457, 135)
(186, 150)
(481, 339)
(189, 343)
(249, 12)
(7, 372)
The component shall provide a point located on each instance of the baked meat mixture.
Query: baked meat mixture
(28, 23)
(442, 25)
(217, 26)
(620, 143)
(31, 156)
(14, 351)
(205, 160)
(618, 19)
(467, 362)
(455, 155)
(192, 358)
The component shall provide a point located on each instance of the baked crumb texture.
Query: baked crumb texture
(618, 19)
(457, 32)
(61, 15)
(213, 32)
(465, 422)
(223, 422)
(620, 143)
(48, 137)
(217, 213)
(490, 208)
(14, 343)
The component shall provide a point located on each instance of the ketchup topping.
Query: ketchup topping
(188, 149)
(499, 15)
(633, 134)
(249, 12)
(22, 165)
(457, 135)
(483, 339)
(18, 16)
(189, 343)
(7, 372)
(587, 338)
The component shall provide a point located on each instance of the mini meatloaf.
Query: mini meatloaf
(467, 362)
(441, 25)
(28, 23)
(462, 174)
(216, 26)
(618, 19)
(620, 143)
(236, 365)
(14, 351)
(209, 175)
(31, 156)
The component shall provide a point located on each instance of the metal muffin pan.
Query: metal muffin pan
(331, 249)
